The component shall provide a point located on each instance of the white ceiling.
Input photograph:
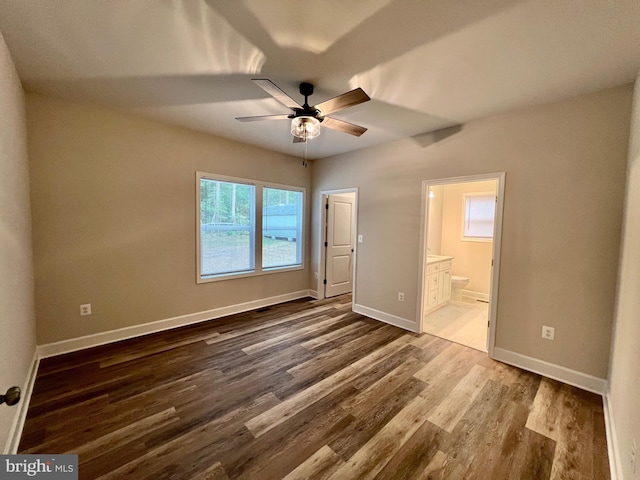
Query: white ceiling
(426, 64)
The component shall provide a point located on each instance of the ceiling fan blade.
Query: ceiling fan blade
(275, 91)
(282, 116)
(299, 140)
(343, 126)
(346, 100)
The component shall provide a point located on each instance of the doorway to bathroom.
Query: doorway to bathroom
(462, 224)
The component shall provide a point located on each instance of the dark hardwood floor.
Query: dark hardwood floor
(309, 390)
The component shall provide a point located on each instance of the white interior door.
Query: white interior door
(339, 245)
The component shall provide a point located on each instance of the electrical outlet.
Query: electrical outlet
(316, 275)
(548, 333)
(401, 296)
(85, 309)
(360, 238)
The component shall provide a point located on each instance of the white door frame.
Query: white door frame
(321, 239)
(497, 245)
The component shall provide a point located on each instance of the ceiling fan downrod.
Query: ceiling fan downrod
(306, 90)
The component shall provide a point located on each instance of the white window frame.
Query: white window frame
(257, 243)
(474, 238)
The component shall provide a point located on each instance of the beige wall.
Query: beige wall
(624, 375)
(471, 259)
(17, 315)
(565, 168)
(113, 203)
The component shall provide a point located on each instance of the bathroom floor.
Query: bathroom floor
(460, 322)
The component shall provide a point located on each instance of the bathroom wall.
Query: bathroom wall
(471, 259)
(434, 232)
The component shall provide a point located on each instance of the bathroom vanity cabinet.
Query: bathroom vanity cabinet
(438, 281)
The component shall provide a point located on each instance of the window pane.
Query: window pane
(226, 227)
(281, 228)
(479, 215)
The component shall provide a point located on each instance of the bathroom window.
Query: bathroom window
(478, 217)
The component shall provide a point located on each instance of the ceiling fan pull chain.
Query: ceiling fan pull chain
(304, 158)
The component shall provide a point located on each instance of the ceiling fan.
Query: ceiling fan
(306, 120)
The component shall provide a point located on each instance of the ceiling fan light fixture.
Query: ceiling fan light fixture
(305, 127)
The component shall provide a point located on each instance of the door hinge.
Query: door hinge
(325, 281)
(326, 244)
(488, 323)
(326, 205)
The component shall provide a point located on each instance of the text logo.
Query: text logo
(51, 467)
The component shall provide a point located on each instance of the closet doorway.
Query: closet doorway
(337, 244)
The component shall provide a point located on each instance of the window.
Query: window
(231, 211)
(479, 214)
(227, 235)
(281, 227)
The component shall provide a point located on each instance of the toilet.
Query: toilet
(457, 285)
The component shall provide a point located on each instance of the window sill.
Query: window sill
(233, 276)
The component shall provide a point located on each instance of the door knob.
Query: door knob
(11, 397)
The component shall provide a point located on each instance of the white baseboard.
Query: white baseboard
(102, 338)
(15, 433)
(550, 370)
(615, 462)
(387, 318)
(314, 294)
(471, 295)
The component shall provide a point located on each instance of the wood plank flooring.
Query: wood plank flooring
(309, 390)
